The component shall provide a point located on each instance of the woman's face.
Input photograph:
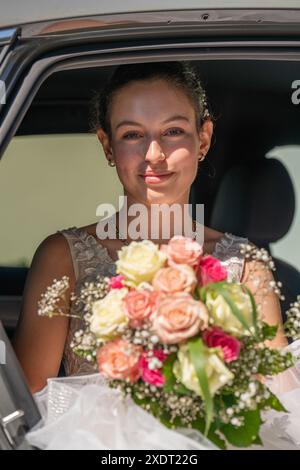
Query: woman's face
(148, 119)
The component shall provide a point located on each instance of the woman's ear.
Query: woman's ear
(104, 140)
(205, 136)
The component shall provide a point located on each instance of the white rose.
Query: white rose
(139, 261)
(222, 315)
(216, 371)
(108, 315)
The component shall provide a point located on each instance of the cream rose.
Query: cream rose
(179, 317)
(108, 315)
(180, 278)
(139, 261)
(221, 313)
(216, 371)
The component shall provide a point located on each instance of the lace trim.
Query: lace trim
(91, 258)
(227, 250)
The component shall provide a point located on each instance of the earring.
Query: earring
(111, 163)
(201, 157)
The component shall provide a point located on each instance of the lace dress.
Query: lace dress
(90, 258)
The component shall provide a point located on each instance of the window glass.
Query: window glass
(287, 248)
(49, 183)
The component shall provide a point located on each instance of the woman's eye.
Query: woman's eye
(130, 135)
(175, 132)
(134, 135)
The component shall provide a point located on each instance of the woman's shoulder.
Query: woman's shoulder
(54, 253)
(53, 244)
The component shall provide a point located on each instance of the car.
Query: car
(52, 60)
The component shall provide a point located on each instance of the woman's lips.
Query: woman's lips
(154, 179)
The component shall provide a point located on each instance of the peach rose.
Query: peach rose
(119, 359)
(180, 278)
(182, 250)
(179, 317)
(140, 305)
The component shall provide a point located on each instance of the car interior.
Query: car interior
(245, 191)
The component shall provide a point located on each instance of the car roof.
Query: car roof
(15, 12)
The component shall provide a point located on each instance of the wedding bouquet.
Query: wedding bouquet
(176, 335)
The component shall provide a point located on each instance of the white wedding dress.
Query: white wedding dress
(80, 411)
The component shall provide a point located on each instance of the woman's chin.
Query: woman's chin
(159, 197)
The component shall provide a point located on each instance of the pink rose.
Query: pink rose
(140, 305)
(150, 370)
(210, 269)
(182, 250)
(180, 278)
(217, 338)
(119, 359)
(179, 317)
(116, 282)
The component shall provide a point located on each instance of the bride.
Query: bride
(155, 128)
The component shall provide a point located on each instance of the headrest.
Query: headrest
(255, 200)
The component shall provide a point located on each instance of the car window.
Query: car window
(54, 173)
(49, 183)
(287, 248)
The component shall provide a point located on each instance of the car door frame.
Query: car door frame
(22, 87)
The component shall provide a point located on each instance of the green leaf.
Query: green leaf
(180, 389)
(196, 294)
(246, 435)
(202, 294)
(274, 403)
(167, 370)
(196, 349)
(216, 439)
(229, 399)
(171, 384)
(269, 331)
(202, 291)
(212, 435)
(254, 311)
(258, 441)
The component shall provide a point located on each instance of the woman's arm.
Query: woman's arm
(39, 341)
(270, 310)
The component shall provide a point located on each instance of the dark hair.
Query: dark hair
(181, 74)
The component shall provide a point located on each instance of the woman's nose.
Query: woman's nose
(154, 152)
